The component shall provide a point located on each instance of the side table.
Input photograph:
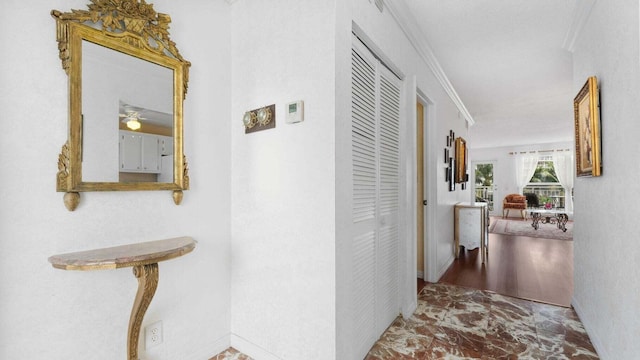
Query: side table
(144, 258)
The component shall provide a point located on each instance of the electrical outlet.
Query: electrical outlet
(153, 335)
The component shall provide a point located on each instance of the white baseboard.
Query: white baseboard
(409, 310)
(211, 349)
(248, 348)
(444, 267)
(593, 335)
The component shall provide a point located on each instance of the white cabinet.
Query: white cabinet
(139, 152)
(166, 176)
(130, 151)
(150, 153)
(166, 145)
(471, 227)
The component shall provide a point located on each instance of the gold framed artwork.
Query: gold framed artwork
(586, 107)
(461, 160)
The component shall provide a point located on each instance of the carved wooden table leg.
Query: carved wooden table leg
(535, 216)
(562, 222)
(147, 283)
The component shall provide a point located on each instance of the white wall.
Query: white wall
(283, 187)
(54, 314)
(606, 251)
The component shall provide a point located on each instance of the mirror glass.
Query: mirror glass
(127, 118)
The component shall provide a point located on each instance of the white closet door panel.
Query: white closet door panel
(363, 134)
(389, 142)
(387, 277)
(375, 135)
(365, 193)
(364, 290)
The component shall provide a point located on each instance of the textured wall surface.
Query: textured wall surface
(53, 314)
(606, 281)
(283, 181)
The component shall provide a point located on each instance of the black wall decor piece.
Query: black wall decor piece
(455, 159)
(449, 161)
(452, 183)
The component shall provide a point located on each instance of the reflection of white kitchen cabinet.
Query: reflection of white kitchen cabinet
(130, 151)
(166, 145)
(150, 153)
(166, 175)
(139, 152)
(471, 227)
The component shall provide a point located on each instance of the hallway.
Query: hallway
(454, 321)
(529, 268)
(480, 312)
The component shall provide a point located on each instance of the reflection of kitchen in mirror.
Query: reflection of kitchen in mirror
(127, 107)
(146, 144)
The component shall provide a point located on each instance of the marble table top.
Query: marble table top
(124, 255)
(550, 211)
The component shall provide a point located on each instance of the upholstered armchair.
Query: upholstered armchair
(514, 202)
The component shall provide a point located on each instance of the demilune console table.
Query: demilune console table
(144, 258)
(551, 216)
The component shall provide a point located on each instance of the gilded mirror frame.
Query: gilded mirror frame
(131, 27)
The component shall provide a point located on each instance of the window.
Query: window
(545, 185)
(545, 172)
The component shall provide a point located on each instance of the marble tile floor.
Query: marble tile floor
(454, 322)
(231, 354)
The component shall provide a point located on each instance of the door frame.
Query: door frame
(420, 189)
(430, 186)
(472, 180)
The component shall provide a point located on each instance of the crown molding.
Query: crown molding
(580, 16)
(407, 23)
(380, 4)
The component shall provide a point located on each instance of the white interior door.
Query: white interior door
(375, 154)
(484, 187)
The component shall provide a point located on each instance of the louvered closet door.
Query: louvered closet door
(387, 266)
(375, 154)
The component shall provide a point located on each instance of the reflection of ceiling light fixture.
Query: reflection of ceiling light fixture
(133, 123)
(131, 116)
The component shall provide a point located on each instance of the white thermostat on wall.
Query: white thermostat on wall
(295, 112)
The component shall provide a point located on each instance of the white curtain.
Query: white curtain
(563, 164)
(525, 168)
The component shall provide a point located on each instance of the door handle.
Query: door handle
(424, 202)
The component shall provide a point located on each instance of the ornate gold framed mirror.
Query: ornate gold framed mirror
(127, 82)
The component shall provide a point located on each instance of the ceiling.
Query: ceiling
(509, 61)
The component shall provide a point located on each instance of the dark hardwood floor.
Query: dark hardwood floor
(524, 267)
